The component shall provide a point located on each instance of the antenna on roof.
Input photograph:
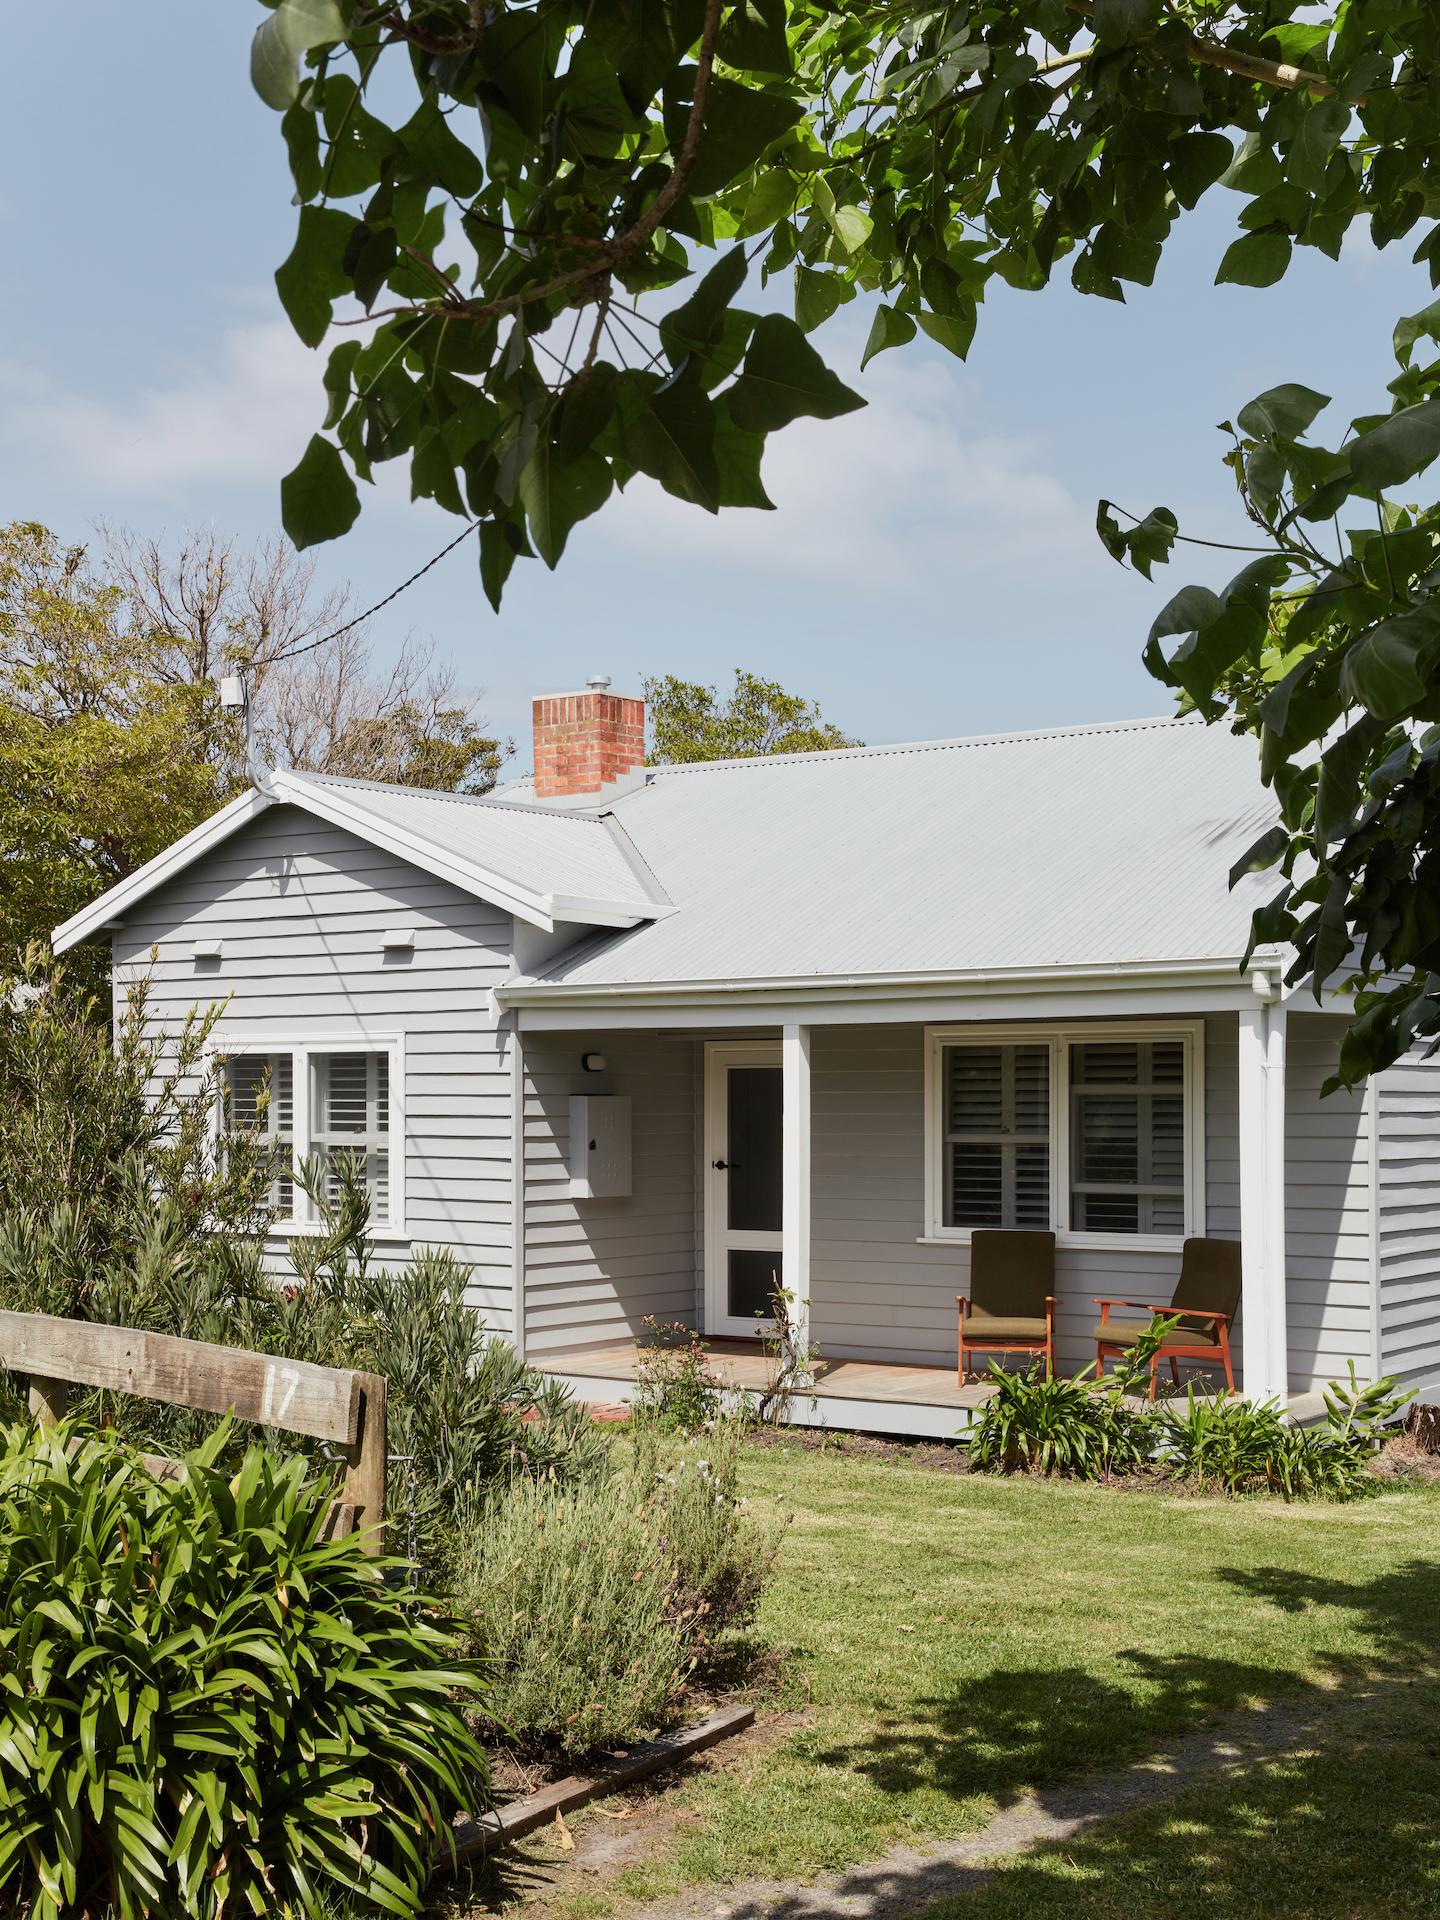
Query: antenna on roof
(235, 698)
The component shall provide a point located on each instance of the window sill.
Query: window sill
(312, 1230)
(1078, 1242)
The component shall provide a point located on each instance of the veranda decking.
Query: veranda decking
(867, 1396)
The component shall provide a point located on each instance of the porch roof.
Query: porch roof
(1094, 847)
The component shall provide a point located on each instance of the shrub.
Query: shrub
(674, 1387)
(1234, 1446)
(570, 1601)
(1081, 1427)
(206, 1708)
(597, 1605)
(113, 1207)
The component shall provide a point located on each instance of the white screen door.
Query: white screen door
(743, 1186)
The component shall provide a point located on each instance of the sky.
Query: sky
(932, 569)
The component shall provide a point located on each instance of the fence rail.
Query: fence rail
(339, 1405)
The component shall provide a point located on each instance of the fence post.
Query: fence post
(48, 1400)
(364, 1488)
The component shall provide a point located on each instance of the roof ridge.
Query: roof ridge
(483, 800)
(883, 749)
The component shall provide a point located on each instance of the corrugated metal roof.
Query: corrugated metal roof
(1085, 846)
(565, 855)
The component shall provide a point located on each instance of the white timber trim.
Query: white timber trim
(719, 1237)
(530, 904)
(304, 1048)
(99, 915)
(1264, 1322)
(518, 1305)
(1058, 1040)
(795, 1158)
(1372, 1127)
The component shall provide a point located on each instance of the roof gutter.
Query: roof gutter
(541, 993)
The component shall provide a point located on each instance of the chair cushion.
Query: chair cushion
(983, 1329)
(1124, 1333)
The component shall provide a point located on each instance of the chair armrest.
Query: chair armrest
(962, 1301)
(1140, 1306)
(1197, 1313)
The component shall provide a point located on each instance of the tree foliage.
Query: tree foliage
(112, 740)
(691, 722)
(503, 201)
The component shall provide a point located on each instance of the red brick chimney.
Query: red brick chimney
(585, 740)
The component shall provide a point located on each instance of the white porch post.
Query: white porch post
(795, 1163)
(1264, 1324)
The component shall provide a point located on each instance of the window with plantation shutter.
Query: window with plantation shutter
(1127, 1136)
(997, 1135)
(350, 1114)
(260, 1100)
(1093, 1130)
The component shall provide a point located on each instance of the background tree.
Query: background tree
(690, 722)
(112, 742)
(511, 331)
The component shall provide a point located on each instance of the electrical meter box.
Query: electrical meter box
(599, 1146)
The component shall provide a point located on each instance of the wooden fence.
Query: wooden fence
(334, 1404)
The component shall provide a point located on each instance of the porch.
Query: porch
(862, 1396)
(817, 1154)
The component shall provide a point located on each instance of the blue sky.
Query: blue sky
(932, 569)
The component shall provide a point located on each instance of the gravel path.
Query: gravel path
(906, 1879)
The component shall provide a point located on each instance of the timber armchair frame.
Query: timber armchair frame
(1207, 1268)
(1010, 1307)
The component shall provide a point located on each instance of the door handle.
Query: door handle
(722, 1166)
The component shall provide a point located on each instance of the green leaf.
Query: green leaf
(851, 227)
(512, 53)
(1424, 324)
(292, 29)
(737, 456)
(1386, 670)
(953, 331)
(673, 440)
(1119, 20)
(1322, 126)
(434, 153)
(753, 36)
(890, 328)
(1398, 448)
(557, 493)
(740, 123)
(638, 41)
(1256, 259)
(314, 276)
(1281, 413)
(695, 327)
(501, 544)
(818, 295)
(318, 500)
(1265, 852)
(1197, 161)
(783, 378)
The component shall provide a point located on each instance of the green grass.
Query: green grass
(1346, 1829)
(957, 1641)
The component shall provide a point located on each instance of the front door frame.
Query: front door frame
(720, 1056)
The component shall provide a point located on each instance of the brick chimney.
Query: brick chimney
(585, 740)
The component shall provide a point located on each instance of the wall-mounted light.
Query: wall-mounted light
(594, 1062)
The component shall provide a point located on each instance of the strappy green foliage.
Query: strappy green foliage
(205, 1708)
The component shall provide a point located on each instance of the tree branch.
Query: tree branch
(611, 253)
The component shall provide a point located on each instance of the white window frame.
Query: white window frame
(1058, 1039)
(304, 1050)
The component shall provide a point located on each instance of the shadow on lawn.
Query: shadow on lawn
(1298, 1796)
(1022, 1729)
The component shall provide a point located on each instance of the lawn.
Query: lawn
(954, 1641)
